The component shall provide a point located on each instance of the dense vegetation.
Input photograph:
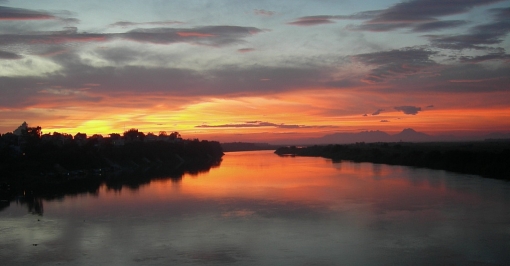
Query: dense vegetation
(488, 159)
(63, 164)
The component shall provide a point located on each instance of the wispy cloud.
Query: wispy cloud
(421, 15)
(378, 112)
(9, 56)
(125, 24)
(9, 13)
(478, 36)
(438, 25)
(262, 12)
(312, 20)
(255, 124)
(395, 64)
(327, 19)
(211, 35)
(246, 50)
(495, 54)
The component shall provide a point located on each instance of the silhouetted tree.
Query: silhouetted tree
(175, 135)
(34, 132)
(133, 135)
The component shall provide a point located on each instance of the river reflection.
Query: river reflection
(261, 209)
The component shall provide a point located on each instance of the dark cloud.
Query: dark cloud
(125, 24)
(325, 19)
(385, 121)
(119, 55)
(69, 21)
(210, 35)
(120, 82)
(361, 15)
(377, 27)
(60, 37)
(263, 80)
(262, 12)
(421, 15)
(479, 36)
(430, 106)
(9, 56)
(438, 25)
(396, 64)
(253, 124)
(426, 10)
(9, 13)
(408, 110)
(378, 112)
(466, 78)
(494, 54)
(312, 20)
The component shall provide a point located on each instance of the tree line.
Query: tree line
(487, 159)
(30, 159)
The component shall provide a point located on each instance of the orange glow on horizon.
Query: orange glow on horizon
(287, 116)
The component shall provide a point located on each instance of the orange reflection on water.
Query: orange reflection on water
(266, 176)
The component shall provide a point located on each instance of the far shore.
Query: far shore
(484, 158)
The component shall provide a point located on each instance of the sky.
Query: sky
(239, 70)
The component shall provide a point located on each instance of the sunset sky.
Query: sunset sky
(255, 70)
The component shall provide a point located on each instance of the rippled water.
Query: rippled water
(261, 209)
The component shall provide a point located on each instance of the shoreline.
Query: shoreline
(486, 159)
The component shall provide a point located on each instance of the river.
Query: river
(258, 208)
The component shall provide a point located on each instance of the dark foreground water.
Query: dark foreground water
(261, 209)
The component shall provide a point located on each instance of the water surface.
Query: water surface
(261, 209)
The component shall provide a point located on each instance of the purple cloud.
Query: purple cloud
(438, 25)
(9, 13)
(312, 20)
(325, 19)
(378, 112)
(421, 15)
(395, 64)
(9, 56)
(254, 124)
(495, 54)
(408, 110)
(212, 35)
(478, 36)
(125, 24)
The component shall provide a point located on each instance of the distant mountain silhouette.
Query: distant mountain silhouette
(373, 136)
(406, 135)
(410, 135)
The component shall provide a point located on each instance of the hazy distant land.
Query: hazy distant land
(406, 135)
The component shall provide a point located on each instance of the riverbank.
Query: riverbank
(487, 158)
(52, 171)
